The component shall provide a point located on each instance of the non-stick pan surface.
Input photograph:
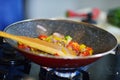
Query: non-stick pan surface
(101, 41)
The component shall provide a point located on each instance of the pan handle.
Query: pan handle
(113, 52)
(116, 51)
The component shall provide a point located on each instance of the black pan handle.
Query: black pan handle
(117, 51)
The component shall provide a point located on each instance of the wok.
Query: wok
(101, 41)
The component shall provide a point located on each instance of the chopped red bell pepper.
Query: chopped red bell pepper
(42, 37)
(74, 45)
(85, 53)
(56, 54)
(22, 46)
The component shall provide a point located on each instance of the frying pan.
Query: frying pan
(102, 42)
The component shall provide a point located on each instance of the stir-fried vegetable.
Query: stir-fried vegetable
(66, 41)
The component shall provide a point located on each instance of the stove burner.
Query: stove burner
(63, 74)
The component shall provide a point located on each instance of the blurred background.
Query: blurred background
(53, 8)
(97, 12)
(16, 10)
